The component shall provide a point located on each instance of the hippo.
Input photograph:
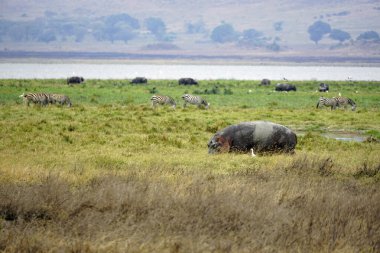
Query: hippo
(285, 87)
(258, 136)
(265, 82)
(75, 79)
(187, 81)
(137, 80)
(323, 87)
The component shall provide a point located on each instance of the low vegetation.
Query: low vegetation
(111, 174)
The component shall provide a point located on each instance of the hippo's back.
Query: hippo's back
(262, 136)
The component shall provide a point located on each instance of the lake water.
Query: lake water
(176, 71)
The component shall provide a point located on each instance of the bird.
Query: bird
(252, 154)
(339, 94)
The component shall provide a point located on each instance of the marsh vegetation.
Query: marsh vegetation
(111, 174)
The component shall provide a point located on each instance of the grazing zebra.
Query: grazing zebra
(195, 100)
(343, 101)
(36, 98)
(162, 100)
(61, 99)
(332, 102)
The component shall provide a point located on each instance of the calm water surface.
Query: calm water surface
(172, 71)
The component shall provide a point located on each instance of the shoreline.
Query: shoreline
(163, 59)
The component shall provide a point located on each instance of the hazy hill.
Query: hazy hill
(261, 27)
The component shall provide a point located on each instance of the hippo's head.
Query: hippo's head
(218, 143)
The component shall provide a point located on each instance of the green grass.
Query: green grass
(113, 174)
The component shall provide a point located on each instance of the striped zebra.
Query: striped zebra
(343, 101)
(194, 100)
(36, 98)
(329, 102)
(162, 100)
(60, 99)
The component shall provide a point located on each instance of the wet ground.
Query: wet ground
(345, 136)
(340, 135)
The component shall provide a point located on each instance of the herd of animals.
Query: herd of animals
(61, 99)
(255, 136)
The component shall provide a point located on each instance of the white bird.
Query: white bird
(252, 154)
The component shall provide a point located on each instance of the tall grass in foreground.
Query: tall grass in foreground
(113, 175)
(285, 210)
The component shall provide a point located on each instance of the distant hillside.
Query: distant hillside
(199, 27)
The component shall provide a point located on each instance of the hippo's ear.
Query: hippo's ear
(225, 144)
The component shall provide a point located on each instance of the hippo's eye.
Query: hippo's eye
(215, 144)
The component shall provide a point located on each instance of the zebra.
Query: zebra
(36, 98)
(343, 101)
(195, 100)
(332, 102)
(61, 99)
(162, 100)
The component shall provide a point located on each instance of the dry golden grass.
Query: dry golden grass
(298, 206)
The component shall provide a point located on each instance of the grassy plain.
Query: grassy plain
(111, 174)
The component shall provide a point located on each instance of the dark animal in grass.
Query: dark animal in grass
(138, 80)
(75, 80)
(187, 81)
(265, 82)
(260, 136)
(323, 87)
(285, 87)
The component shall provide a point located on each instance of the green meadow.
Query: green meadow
(112, 174)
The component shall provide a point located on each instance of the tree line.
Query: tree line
(119, 27)
(123, 27)
(319, 29)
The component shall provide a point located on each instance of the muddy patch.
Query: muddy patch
(345, 136)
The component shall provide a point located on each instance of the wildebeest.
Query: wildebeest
(75, 79)
(187, 81)
(285, 87)
(265, 82)
(137, 80)
(261, 136)
(323, 87)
